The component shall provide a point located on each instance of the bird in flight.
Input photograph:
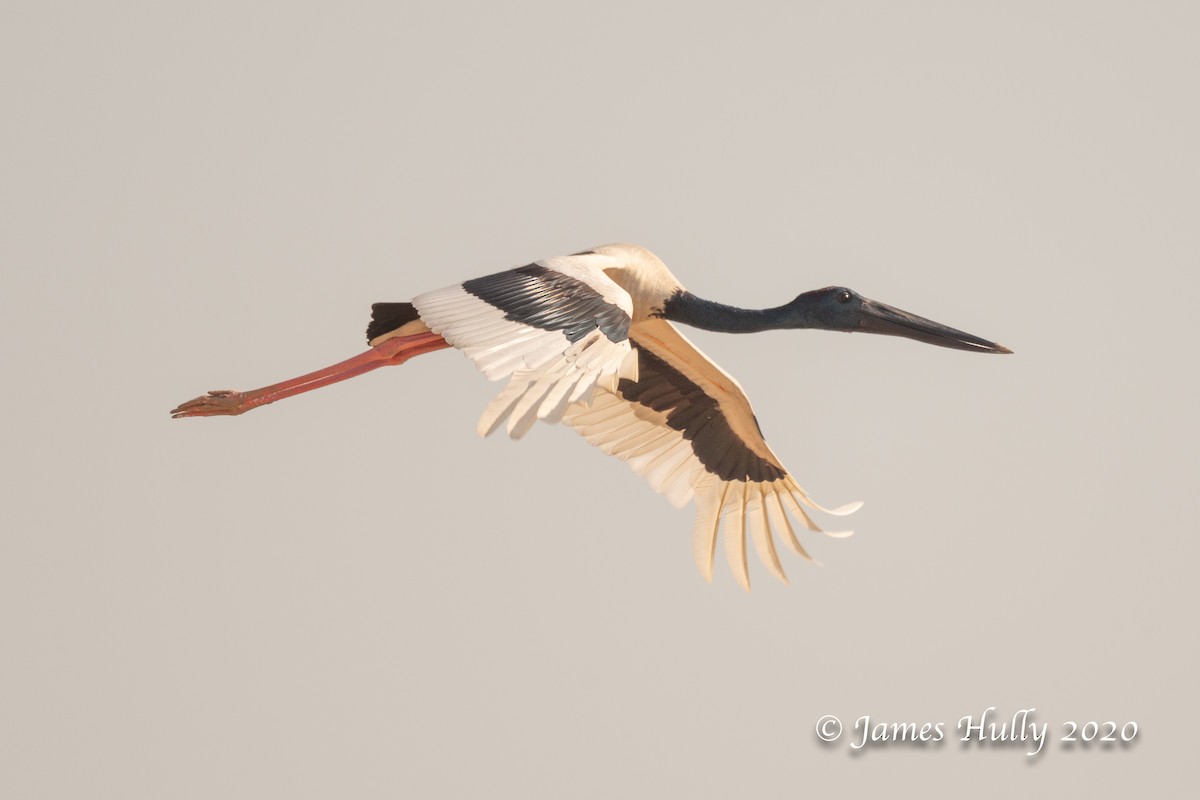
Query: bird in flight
(588, 340)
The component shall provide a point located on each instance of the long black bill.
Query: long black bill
(882, 318)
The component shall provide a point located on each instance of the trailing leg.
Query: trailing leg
(388, 353)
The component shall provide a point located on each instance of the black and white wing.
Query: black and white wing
(557, 329)
(687, 427)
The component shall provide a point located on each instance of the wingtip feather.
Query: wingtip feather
(842, 511)
(704, 531)
(734, 524)
(838, 534)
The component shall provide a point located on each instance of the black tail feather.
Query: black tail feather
(387, 317)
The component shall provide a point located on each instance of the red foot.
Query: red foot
(215, 403)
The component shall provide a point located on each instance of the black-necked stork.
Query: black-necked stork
(587, 339)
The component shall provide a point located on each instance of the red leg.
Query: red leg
(385, 354)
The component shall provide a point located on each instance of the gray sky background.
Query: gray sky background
(349, 594)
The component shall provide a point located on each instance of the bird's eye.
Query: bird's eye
(844, 296)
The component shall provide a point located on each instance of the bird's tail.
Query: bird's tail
(389, 317)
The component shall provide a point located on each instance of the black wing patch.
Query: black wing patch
(387, 317)
(690, 410)
(545, 298)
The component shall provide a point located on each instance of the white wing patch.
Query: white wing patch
(546, 370)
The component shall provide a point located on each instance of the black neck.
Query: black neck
(685, 307)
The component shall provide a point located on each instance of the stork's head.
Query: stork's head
(836, 308)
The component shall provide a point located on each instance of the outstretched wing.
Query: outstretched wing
(687, 427)
(557, 328)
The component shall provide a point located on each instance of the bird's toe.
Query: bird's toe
(217, 402)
